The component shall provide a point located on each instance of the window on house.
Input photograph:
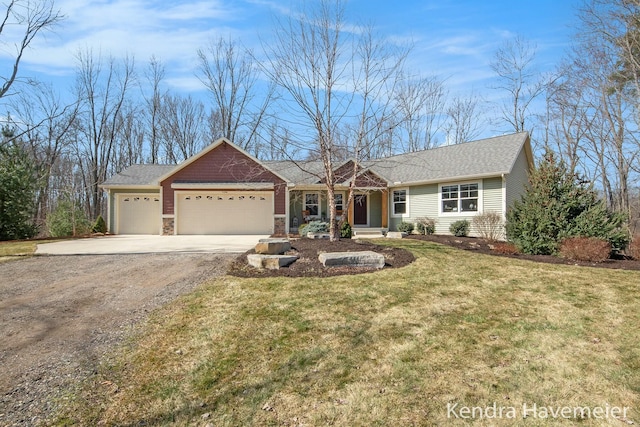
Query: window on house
(339, 201)
(312, 203)
(399, 202)
(460, 198)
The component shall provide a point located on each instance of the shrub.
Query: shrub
(556, 206)
(18, 193)
(345, 230)
(405, 227)
(460, 228)
(100, 226)
(504, 248)
(591, 249)
(489, 225)
(317, 227)
(302, 230)
(634, 247)
(426, 225)
(68, 219)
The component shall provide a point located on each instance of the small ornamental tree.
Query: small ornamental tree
(556, 206)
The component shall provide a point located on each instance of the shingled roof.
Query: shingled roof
(138, 175)
(485, 157)
(482, 158)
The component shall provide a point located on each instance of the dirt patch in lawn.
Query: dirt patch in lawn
(487, 247)
(308, 264)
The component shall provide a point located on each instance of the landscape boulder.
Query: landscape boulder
(273, 246)
(395, 235)
(270, 262)
(354, 259)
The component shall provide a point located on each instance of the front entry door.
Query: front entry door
(360, 209)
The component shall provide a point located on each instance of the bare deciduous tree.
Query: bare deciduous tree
(421, 103)
(154, 75)
(32, 18)
(462, 123)
(182, 125)
(45, 123)
(514, 63)
(102, 87)
(230, 75)
(334, 79)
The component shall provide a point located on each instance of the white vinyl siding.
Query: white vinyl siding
(422, 200)
(492, 195)
(517, 180)
(425, 201)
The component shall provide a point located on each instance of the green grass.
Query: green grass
(19, 248)
(383, 349)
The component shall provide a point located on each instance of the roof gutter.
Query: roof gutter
(446, 179)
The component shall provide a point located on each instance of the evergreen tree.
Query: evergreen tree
(557, 205)
(18, 198)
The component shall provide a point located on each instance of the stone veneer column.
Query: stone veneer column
(168, 226)
(279, 226)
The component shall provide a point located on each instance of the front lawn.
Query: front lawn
(19, 248)
(408, 346)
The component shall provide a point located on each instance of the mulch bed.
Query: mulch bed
(485, 247)
(308, 250)
(308, 264)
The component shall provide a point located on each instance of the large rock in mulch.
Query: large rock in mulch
(395, 235)
(273, 246)
(270, 262)
(353, 259)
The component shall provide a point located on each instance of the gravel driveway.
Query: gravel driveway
(60, 314)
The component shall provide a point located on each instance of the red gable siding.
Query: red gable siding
(223, 164)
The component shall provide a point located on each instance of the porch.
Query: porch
(369, 209)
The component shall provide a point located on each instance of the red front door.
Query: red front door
(360, 209)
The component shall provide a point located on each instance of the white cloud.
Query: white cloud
(131, 27)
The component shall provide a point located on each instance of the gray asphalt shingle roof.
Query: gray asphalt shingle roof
(139, 175)
(490, 156)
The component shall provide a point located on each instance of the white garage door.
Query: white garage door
(138, 214)
(236, 212)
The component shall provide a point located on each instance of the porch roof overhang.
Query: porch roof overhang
(254, 186)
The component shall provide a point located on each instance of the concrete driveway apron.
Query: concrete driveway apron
(142, 244)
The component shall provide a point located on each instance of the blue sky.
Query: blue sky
(452, 39)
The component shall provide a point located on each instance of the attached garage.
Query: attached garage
(224, 212)
(138, 213)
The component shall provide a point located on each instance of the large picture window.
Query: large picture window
(460, 198)
(399, 202)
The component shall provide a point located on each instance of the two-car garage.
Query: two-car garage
(221, 190)
(232, 212)
(198, 212)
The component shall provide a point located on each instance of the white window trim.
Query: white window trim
(463, 214)
(304, 203)
(393, 205)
